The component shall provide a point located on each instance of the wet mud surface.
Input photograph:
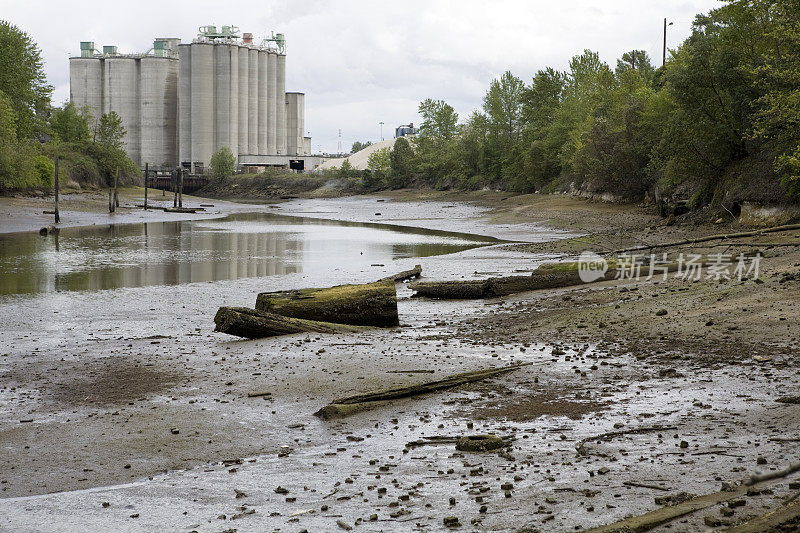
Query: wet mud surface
(121, 410)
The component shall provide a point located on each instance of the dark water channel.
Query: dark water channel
(239, 246)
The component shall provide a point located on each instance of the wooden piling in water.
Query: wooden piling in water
(56, 187)
(116, 193)
(146, 175)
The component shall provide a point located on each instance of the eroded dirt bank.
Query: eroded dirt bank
(103, 392)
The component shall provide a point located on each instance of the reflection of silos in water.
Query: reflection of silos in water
(158, 78)
(280, 116)
(202, 102)
(233, 104)
(222, 96)
(262, 101)
(272, 102)
(252, 103)
(244, 88)
(185, 103)
(122, 96)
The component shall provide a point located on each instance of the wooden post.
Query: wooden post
(180, 189)
(146, 175)
(116, 195)
(58, 217)
(174, 183)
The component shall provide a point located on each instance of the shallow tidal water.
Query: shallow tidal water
(242, 245)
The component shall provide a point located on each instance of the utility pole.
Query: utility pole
(664, 53)
(381, 123)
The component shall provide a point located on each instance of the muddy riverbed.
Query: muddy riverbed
(122, 410)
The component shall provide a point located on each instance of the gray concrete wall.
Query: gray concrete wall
(184, 104)
(158, 107)
(202, 97)
(262, 101)
(280, 115)
(295, 103)
(272, 102)
(244, 91)
(252, 103)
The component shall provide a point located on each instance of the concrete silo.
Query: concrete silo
(158, 94)
(185, 103)
(222, 96)
(85, 84)
(295, 106)
(233, 104)
(202, 98)
(280, 115)
(244, 90)
(252, 103)
(121, 95)
(262, 101)
(272, 103)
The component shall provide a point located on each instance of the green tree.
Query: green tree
(68, 125)
(22, 79)
(503, 105)
(223, 163)
(401, 161)
(358, 146)
(638, 61)
(110, 130)
(380, 161)
(8, 120)
(439, 120)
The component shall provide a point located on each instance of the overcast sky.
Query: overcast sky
(362, 62)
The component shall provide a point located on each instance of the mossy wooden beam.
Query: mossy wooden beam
(370, 304)
(253, 324)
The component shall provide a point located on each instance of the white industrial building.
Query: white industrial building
(179, 103)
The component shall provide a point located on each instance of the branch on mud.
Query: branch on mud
(611, 434)
(351, 404)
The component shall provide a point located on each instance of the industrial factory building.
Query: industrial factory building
(182, 102)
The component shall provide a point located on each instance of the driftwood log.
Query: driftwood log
(371, 304)
(405, 274)
(253, 324)
(547, 276)
(351, 404)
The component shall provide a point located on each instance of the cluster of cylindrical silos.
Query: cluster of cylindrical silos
(232, 95)
(141, 90)
(186, 101)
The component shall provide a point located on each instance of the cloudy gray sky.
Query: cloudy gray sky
(361, 62)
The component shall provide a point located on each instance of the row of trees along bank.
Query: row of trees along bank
(718, 124)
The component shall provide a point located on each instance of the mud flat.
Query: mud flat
(122, 409)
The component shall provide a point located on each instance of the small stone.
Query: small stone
(684, 444)
(106, 504)
(712, 521)
(451, 521)
(174, 431)
(373, 517)
(761, 461)
(726, 511)
(281, 490)
(452, 500)
(603, 471)
(661, 312)
(344, 525)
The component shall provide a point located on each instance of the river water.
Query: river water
(242, 245)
